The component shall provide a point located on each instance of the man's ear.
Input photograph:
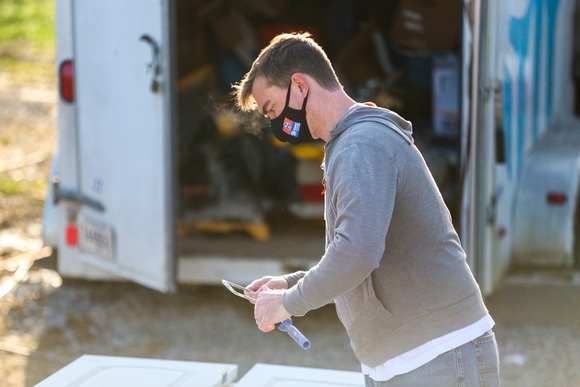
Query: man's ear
(300, 80)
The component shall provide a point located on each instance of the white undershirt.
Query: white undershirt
(419, 356)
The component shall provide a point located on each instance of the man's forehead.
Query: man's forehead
(261, 84)
(262, 93)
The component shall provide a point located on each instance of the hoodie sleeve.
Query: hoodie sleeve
(293, 278)
(362, 186)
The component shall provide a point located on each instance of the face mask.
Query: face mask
(290, 126)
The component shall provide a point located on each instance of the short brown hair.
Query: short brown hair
(286, 55)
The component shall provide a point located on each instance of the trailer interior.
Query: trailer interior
(241, 193)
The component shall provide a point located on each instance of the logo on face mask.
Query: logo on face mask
(292, 128)
(286, 127)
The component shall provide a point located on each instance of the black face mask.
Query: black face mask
(290, 126)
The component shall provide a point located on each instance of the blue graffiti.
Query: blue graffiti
(541, 17)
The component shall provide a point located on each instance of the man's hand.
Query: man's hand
(269, 309)
(270, 282)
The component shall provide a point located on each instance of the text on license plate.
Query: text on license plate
(95, 237)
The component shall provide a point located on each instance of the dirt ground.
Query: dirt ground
(46, 322)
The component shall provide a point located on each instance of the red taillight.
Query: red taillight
(67, 81)
(556, 198)
(72, 235)
(502, 232)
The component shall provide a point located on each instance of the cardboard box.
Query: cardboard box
(433, 25)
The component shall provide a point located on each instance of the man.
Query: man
(393, 263)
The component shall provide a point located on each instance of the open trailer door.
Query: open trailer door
(123, 212)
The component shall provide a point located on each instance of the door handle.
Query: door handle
(73, 196)
(153, 66)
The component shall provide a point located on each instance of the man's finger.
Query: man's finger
(270, 328)
(251, 294)
(254, 286)
(266, 328)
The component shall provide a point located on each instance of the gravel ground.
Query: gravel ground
(538, 330)
(58, 322)
(52, 322)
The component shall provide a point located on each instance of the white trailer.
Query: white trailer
(145, 183)
(521, 203)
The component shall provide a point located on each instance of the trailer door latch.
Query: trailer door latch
(73, 196)
(154, 65)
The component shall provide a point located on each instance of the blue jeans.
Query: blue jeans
(475, 363)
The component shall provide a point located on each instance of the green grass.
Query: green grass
(10, 187)
(32, 188)
(30, 22)
(27, 41)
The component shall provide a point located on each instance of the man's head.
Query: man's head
(286, 55)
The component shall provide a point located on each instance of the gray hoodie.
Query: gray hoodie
(393, 264)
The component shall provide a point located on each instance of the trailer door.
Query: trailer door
(480, 194)
(125, 221)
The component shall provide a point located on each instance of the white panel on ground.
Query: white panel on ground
(262, 375)
(113, 371)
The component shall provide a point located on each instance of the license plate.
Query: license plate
(96, 237)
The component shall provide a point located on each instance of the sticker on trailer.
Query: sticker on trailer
(95, 237)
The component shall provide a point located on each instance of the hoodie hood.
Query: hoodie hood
(369, 112)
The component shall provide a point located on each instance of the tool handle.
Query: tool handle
(297, 336)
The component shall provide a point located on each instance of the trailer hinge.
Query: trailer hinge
(493, 86)
(491, 210)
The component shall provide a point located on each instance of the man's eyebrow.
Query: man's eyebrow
(264, 111)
